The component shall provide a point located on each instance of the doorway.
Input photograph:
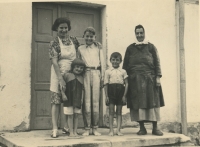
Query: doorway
(44, 15)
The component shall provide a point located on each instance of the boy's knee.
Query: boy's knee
(119, 112)
(111, 112)
(70, 116)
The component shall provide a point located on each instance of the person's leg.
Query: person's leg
(155, 130)
(75, 124)
(95, 100)
(71, 125)
(119, 119)
(55, 110)
(154, 123)
(55, 113)
(142, 127)
(87, 103)
(111, 114)
(66, 127)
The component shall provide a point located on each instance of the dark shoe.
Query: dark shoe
(65, 131)
(157, 132)
(142, 132)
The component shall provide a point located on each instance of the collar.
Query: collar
(112, 68)
(89, 46)
(70, 76)
(145, 41)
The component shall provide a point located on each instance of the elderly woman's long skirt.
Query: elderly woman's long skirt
(145, 98)
(152, 114)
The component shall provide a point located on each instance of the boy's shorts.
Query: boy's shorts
(115, 94)
(71, 110)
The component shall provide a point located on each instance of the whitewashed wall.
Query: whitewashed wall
(192, 60)
(158, 18)
(15, 64)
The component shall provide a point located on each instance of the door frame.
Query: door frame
(103, 35)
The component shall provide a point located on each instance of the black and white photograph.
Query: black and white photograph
(99, 73)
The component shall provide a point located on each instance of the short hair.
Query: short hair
(138, 27)
(90, 30)
(59, 21)
(78, 61)
(115, 55)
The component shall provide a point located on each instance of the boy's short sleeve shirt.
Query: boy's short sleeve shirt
(115, 76)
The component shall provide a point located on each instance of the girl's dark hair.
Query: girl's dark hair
(59, 21)
(80, 62)
(90, 30)
(116, 55)
(138, 27)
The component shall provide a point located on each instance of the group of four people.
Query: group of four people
(78, 72)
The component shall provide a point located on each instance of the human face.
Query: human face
(78, 69)
(62, 30)
(140, 35)
(115, 62)
(89, 38)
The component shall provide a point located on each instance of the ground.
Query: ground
(130, 138)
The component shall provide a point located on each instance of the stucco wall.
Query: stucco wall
(158, 18)
(15, 60)
(192, 60)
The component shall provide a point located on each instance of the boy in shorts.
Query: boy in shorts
(116, 86)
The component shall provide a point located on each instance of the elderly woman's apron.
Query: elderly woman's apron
(68, 54)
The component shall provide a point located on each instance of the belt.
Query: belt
(94, 68)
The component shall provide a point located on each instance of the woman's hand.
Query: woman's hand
(62, 83)
(158, 81)
(64, 97)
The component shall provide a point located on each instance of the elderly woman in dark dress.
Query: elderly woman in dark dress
(144, 96)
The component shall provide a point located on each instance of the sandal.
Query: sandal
(54, 133)
(65, 131)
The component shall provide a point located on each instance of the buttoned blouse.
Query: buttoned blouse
(115, 76)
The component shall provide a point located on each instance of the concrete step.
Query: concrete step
(38, 138)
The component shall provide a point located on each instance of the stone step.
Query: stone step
(42, 138)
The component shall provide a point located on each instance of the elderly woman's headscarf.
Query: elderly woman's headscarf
(145, 41)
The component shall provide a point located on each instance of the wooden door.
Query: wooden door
(44, 14)
(81, 18)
